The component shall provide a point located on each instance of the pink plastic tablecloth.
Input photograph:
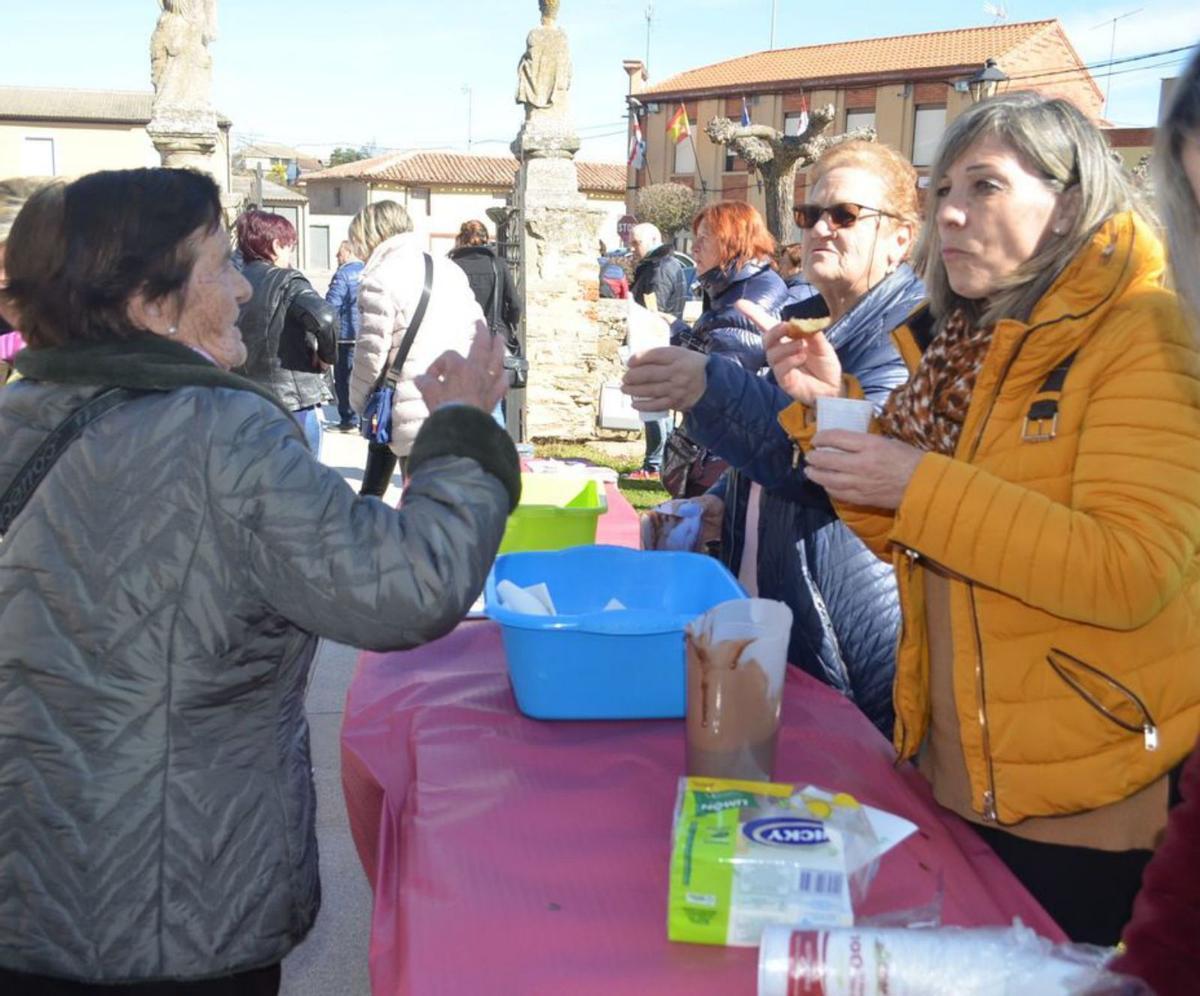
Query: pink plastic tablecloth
(509, 855)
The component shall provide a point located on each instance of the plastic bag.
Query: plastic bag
(943, 961)
(749, 854)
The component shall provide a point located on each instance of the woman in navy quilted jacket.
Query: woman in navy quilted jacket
(780, 534)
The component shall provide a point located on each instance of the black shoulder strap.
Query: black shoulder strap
(1041, 424)
(392, 373)
(52, 447)
(497, 292)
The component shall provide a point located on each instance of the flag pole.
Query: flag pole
(696, 154)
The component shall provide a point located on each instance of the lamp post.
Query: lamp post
(984, 83)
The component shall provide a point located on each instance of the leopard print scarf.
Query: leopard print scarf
(928, 412)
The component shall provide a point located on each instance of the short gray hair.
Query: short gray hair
(1054, 140)
(1177, 202)
(375, 224)
(647, 233)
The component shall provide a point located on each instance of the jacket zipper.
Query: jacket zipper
(1148, 727)
(989, 794)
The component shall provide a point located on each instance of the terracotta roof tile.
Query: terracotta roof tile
(866, 57)
(460, 170)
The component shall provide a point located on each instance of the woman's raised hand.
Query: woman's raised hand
(668, 377)
(479, 379)
(805, 366)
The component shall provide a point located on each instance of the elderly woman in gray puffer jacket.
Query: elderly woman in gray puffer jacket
(162, 589)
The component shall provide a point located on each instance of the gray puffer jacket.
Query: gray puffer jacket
(161, 597)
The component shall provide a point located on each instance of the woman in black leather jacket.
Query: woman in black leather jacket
(290, 330)
(492, 285)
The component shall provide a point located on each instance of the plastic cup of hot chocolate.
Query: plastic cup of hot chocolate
(736, 663)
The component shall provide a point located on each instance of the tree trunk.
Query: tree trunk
(780, 190)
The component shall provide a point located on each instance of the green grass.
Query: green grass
(639, 494)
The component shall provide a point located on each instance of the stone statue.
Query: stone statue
(544, 74)
(180, 64)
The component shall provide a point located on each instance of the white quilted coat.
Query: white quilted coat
(388, 297)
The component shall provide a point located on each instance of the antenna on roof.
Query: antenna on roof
(649, 19)
(997, 11)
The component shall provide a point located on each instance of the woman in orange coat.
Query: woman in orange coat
(1037, 486)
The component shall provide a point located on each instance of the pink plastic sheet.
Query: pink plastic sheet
(510, 855)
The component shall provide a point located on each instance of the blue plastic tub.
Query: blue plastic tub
(585, 663)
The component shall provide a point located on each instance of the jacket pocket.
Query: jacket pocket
(1110, 698)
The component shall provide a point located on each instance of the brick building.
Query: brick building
(908, 87)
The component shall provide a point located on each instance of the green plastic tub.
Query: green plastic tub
(556, 511)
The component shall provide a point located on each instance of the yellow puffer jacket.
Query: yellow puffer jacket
(1072, 541)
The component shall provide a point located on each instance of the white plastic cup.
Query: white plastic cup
(850, 414)
(643, 331)
(857, 961)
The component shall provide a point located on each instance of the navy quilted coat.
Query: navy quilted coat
(842, 596)
(721, 328)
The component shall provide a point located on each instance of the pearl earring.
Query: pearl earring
(172, 330)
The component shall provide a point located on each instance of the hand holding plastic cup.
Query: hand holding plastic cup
(645, 330)
(847, 414)
(736, 662)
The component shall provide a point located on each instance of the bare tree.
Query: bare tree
(669, 207)
(776, 156)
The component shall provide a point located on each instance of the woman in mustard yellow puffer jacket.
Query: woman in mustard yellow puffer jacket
(1037, 486)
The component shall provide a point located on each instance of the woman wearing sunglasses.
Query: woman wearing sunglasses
(1037, 486)
(780, 534)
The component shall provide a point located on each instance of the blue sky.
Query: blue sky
(392, 73)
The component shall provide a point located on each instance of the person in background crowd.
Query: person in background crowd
(791, 270)
(162, 593)
(492, 285)
(392, 280)
(342, 296)
(1036, 485)
(1161, 938)
(779, 532)
(657, 277)
(614, 283)
(735, 261)
(13, 194)
(290, 331)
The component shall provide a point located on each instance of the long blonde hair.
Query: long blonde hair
(375, 224)
(1056, 141)
(1177, 202)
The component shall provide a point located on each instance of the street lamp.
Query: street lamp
(983, 84)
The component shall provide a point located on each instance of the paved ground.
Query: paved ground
(333, 960)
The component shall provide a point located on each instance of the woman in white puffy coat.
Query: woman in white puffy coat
(381, 233)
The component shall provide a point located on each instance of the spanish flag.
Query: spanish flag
(678, 127)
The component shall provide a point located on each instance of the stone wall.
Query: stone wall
(572, 353)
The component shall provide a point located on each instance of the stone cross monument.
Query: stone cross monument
(183, 124)
(559, 239)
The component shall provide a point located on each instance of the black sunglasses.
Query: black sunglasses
(842, 215)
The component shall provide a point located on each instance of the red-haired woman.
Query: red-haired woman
(289, 330)
(735, 260)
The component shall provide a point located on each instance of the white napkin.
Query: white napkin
(534, 600)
